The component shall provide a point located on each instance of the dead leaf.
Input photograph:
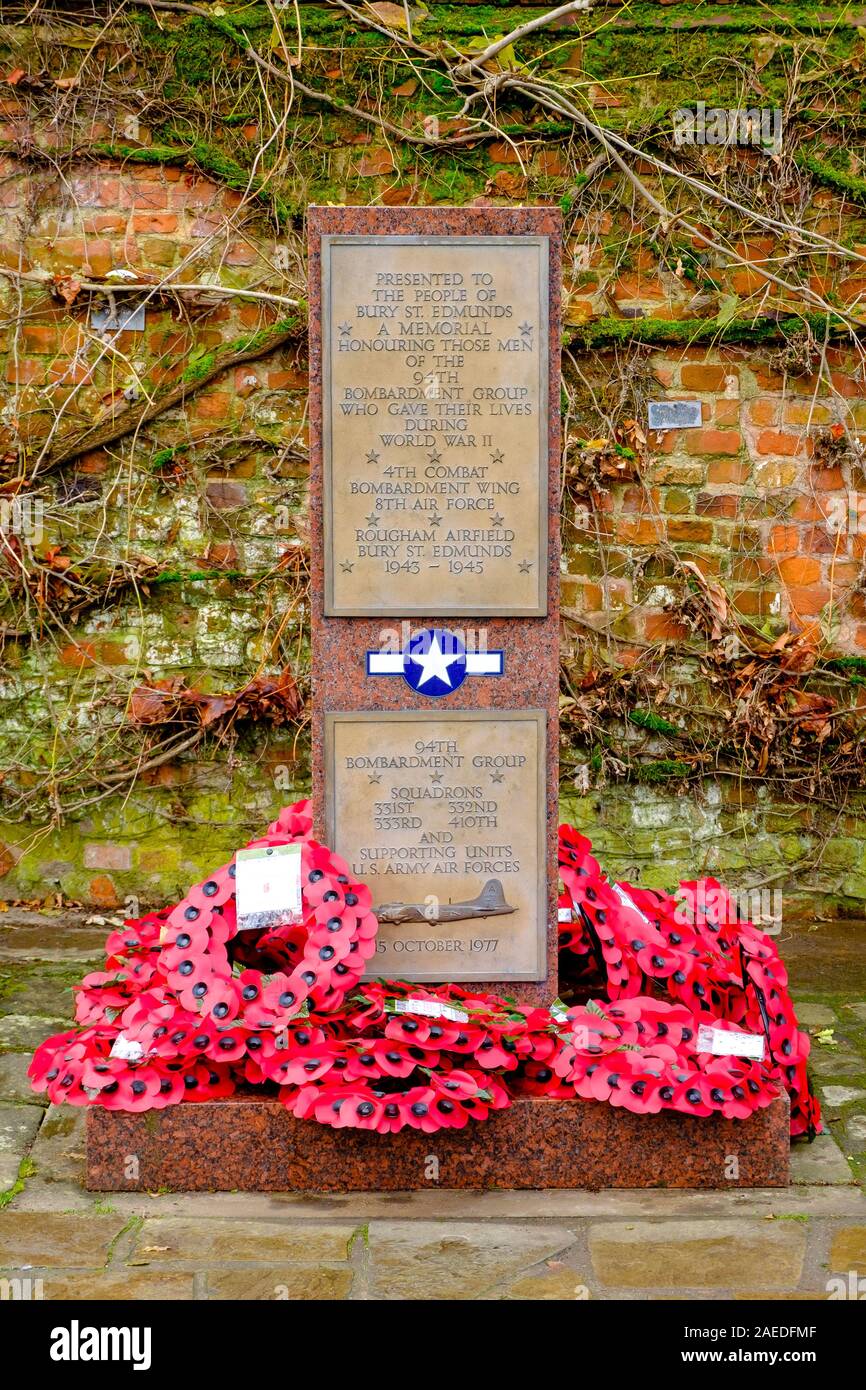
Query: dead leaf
(374, 163)
(395, 16)
(66, 287)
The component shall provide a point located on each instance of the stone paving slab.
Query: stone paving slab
(56, 1238)
(70, 1285)
(822, 1161)
(71, 943)
(457, 1260)
(702, 1255)
(251, 1241)
(24, 1033)
(18, 1126)
(280, 1283)
(14, 1081)
(40, 989)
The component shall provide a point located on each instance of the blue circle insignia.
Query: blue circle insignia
(434, 661)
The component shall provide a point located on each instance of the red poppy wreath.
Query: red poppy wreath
(188, 1008)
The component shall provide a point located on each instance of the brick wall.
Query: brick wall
(175, 552)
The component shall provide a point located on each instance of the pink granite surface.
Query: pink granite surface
(250, 1143)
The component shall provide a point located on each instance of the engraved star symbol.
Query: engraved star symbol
(435, 663)
(497, 457)
(498, 520)
(435, 521)
(375, 776)
(345, 328)
(372, 456)
(436, 777)
(497, 777)
(434, 458)
(526, 567)
(372, 519)
(346, 567)
(525, 328)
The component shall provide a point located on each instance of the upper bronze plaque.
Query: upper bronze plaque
(434, 425)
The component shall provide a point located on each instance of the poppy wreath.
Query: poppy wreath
(642, 1054)
(695, 949)
(187, 1009)
(401, 1056)
(178, 1011)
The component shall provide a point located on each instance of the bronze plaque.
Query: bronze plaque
(434, 425)
(443, 818)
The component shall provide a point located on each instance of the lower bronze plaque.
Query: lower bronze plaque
(444, 819)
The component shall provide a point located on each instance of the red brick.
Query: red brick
(40, 337)
(637, 531)
(777, 442)
(103, 892)
(194, 192)
(160, 223)
(661, 626)
(807, 602)
(713, 442)
(717, 504)
(807, 508)
(748, 601)
(688, 529)
(552, 163)
(502, 152)
(241, 253)
(25, 372)
(800, 570)
(215, 405)
(728, 471)
(747, 281)
(703, 378)
(764, 411)
(287, 380)
(78, 654)
(785, 540)
(633, 286)
(826, 479)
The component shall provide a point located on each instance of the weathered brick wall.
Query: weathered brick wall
(712, 577)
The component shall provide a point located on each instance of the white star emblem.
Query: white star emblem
(435, 663)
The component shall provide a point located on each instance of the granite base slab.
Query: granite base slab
(250, 1143)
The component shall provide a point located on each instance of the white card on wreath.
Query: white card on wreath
(268, 886)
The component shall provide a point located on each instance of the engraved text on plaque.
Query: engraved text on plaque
(443, 819)
(435, 389)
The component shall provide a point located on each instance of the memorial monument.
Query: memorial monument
(434, 408)
(434, 505)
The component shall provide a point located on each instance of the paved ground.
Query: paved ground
(807, 1242)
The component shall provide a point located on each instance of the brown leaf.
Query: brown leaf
(15, 76)
(66, 287)
(394, 16)
(375, 162)
(151, 705)
(212, 708)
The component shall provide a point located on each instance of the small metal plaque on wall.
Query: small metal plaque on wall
(675, 415)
